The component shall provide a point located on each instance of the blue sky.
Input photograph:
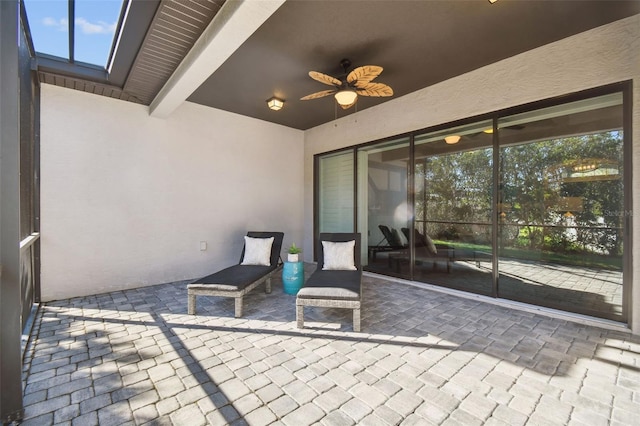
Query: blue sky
(95, 25)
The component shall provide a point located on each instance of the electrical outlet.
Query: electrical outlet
(203, 245)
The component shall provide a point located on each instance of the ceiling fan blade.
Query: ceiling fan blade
(364, 74)
(318, 95)
(324, 78)
(375, 89)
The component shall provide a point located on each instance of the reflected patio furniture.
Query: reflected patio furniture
(237, 280)
(446, 254)
(425, 252)
(391, 236)
(422, 257)
(333, 288)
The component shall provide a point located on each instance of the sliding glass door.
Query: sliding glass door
(335, 193)
(529, 205)
(561, 210)
(453, 186)
(384, 211)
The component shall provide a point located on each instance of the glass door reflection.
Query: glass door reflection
(561, 210)
(453, 186)
(383, 195)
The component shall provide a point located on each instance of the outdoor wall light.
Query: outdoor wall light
(452, 139)
(346, 97)
(275, 103)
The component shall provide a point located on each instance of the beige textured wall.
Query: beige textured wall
(127, 198)
(604, 55)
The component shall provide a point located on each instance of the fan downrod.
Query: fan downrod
(345, 63)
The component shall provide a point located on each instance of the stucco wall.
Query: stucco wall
(604, 55)
(127, 198)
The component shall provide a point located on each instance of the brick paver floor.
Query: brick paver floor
(424, 357)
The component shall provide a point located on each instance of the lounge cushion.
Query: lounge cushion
(235, 277)
(338, 255)
(257, 251)
(337, 285)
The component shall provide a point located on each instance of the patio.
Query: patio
(424, 357)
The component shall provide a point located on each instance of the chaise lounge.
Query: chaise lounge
(258, 262)
(337, 280)
(426, 251)
(392, 238)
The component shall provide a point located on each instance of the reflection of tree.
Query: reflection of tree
(535, 196)
(522, 175)
(455, 190)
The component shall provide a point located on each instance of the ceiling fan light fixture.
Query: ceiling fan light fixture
(452, 139)
(275, 103)
(346, 97)
(347, 88)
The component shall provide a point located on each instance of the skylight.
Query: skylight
(95, 26)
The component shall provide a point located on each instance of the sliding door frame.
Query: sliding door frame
(624, 87)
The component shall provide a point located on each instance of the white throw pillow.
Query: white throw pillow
(339, 256)
(257, 251)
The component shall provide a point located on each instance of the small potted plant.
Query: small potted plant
(293, 253)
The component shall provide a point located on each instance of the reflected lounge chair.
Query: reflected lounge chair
(425, 248)
(337, 280)
(420, 240)
(425, 251)
(258, 262)
(392, 238)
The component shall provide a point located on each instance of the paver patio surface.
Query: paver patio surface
(424, 357)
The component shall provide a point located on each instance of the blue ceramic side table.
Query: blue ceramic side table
(292, 277)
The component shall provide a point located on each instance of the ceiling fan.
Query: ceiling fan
(347, 88)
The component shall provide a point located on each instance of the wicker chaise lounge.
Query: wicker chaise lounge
(337, 281)
(258, 262)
